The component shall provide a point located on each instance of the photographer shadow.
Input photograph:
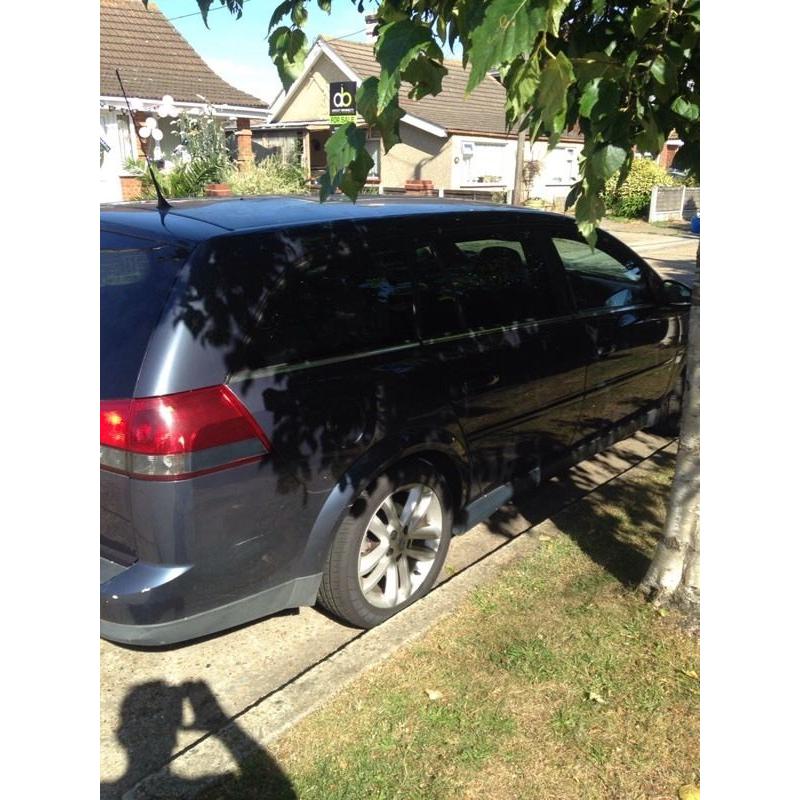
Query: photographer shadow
(151, 718)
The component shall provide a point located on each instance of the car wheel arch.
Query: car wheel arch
(441, 449)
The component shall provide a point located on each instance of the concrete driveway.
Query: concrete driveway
(150, 709)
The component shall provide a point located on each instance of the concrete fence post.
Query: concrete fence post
(653, 203)
(683, 200)
(441, 192)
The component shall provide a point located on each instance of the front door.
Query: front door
(318, 158)
(634, 339)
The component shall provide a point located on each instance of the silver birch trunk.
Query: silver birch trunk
(674, 573)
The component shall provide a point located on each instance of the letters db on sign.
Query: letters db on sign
(342, 102)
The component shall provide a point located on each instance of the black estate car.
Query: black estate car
(302, 402)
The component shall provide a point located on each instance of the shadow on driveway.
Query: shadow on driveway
(152, 716)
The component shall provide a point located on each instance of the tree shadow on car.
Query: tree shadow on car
(152, 718)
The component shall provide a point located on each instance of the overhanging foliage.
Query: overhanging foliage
(624, 73)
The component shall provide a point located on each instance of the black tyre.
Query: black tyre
(390, 548)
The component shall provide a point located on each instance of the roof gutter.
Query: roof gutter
(219, 109)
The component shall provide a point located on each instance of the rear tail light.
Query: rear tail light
(178, 435)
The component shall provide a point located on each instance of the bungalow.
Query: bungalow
(157, 64)
(455, 141)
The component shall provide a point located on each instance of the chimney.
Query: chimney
(372, 23)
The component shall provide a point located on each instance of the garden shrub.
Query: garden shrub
(632, 199)
(270, 176)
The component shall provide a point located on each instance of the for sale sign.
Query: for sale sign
(342, 102)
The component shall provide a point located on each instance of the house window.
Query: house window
(484, 162)
(561, 166)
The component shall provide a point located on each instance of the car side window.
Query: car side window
(598, 279)
(326, 293)
(484, 280)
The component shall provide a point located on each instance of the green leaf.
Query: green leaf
(589, 211)
(324, 5)
(555, 10)
(299, 13)
(589, 97)
(607, 160)
(658, 69)
(643, 19)
(607, 106)
(288, 50)
(348, 162)
(521, 80)
(651, 138)
(570, 199)
(399, 42)
(510, 27)
(551, 96)
(683, 108)
(469, 15)
(343, 146)
(280, 12)
(355, 176)
(204, 5)
(595, 65)
(425, 75)
(388, 121)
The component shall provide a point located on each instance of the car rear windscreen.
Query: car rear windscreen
(136, 276)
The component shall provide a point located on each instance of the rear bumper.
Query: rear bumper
(142, 604)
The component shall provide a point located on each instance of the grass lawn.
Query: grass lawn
(556, 681)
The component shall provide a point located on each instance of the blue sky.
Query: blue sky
(237, 49)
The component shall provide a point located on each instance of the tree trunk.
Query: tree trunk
(674, 573)
(518, 198)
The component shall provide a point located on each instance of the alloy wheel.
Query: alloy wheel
(399, 545)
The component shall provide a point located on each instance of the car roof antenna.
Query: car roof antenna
(163, 205)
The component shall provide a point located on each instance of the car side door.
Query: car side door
(488, 313)
(634, 336)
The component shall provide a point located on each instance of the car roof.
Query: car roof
(197, 220)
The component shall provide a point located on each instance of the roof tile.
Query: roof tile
(154, 59)
(483, 111)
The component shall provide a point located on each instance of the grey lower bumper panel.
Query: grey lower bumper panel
(294, 593)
